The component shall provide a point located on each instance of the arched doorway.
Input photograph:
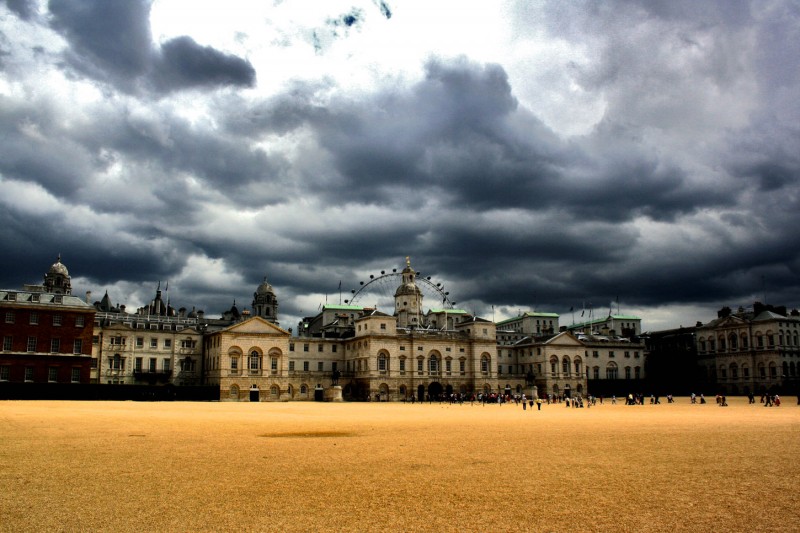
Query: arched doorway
(421, 393)
(435, 390)
(448, 390)
(254, 393)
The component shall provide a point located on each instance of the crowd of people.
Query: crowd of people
(578, 401)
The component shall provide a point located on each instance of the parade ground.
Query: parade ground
(303, 466)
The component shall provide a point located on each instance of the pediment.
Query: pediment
(565, 338)
(257, 325)
(730, 321)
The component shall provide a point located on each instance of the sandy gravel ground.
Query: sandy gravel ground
(86, 466)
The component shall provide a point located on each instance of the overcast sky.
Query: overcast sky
(527, 155)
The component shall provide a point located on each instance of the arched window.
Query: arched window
(234, 392)
(382, 362)
(773, 370)
(627, 372)
(255, 361)
(565, 366)
(733, 340)
(637, 372)
(484, 364)
(578, 366)
(611, 370)
(734, 371)
(596, 372)
(433, 364)
(304, 389)
(744, 341)
(554, 366)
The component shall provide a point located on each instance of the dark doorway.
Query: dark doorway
(421, 393)
(319, 394)
(254, 396)
(435, 390)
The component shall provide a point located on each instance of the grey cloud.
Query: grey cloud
(183, 64)
(24, 9)
(112, 42)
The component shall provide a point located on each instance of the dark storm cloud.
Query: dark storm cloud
(459, 134)
(24, 9)
(109, 41)
(112, 42)
(183, 64)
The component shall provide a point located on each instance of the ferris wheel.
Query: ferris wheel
(379, 291)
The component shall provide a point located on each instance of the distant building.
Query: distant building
(369, 354)
(156, 345)
(750, 351)
(46, 332)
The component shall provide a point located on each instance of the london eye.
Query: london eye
(378, 290)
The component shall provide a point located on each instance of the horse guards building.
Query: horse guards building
(351, 352)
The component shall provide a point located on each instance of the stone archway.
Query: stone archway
(435, 390)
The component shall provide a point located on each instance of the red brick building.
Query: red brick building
(46, 332)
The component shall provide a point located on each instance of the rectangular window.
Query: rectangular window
(402, 348)
(31, 344)
(28, 373)
(305, 366)
(627, 354)
(627, 372)
(52, 374)
(166, 365)
(76, 375)
(320, 366)
(611, 353)
(291, 366)
(234, 363)
(291, 346)
(152, 364)
(5, 373)
(140, 342)
(462, 366)
(402, 365)
(305, 347)
(95, 339)
(9, 317)
(33, 318)
(167, 343)
(419, 365)
(56, 320)
(93, 363)
(333, 348)
(79, 321)
(137, 364)
(447, 366)
(274, 364)
(55, 345)
(7, 340)
(154, 343)
(419, 348)
(319, 347)
(383, 326)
